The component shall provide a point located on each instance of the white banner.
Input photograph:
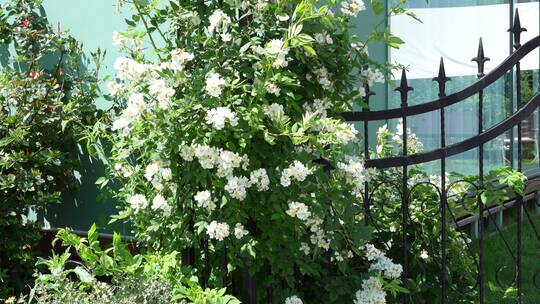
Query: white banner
(453, 33)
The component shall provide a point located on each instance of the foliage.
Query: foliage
(114, 275)
(45, 100)
(425, 225)
(224, 132)
(500, 265)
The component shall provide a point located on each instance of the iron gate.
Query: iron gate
(404, 161)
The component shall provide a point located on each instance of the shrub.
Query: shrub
(223, 135)
(114, 275)
(45, 100)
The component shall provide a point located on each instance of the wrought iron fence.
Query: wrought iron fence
(404, 161)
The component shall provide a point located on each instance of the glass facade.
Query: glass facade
(451, 29)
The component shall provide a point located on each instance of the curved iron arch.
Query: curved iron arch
(451, 99)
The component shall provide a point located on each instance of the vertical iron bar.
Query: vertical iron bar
(480, 59)
(225, 268)
(404, 90)
(269, 294)
(441, 79)
(519, 199)
(248, 286)
(368, 93)
(516, 30)
(206, 272)
(188, 254)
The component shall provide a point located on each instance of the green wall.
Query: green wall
(92, 22)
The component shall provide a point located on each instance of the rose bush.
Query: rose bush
(45, 102)
(227, 140)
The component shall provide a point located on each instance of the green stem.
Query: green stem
(146, 27)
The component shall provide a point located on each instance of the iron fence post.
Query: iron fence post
(480, 59)
(441, 79)
(368, 93)
(404, 90)
(516, 30)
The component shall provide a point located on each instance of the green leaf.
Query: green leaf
(414, 16)
(394, 42)
(92, 234)
(310, 50)
(377, 6)
(83, 275)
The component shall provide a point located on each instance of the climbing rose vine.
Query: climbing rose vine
(226, 138)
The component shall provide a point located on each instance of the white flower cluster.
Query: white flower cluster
(382, 133)
(160, 203)
(260, 179)
(272, 88)
(293, 300)
(372, 291)
(115, 88)
(323, 77)
(237, 186)
(298, 210)
(273, 111)
(355, 173)
(345, 132)
(414, 145)
(383, 264)
(341, 256)
(211, 157)
(304, 247)
(424, 254)
(276, 50)
(156, 174)
(372, 76)
(318, 236)
(219, 115)
(323, 38)
(225, 162)
(129, 69)
(353, 7)
(214, 84)
(240, 231)
(204, 200)
(219, 22)
(135, 108)
(208, 156)
(333, 131)
(161, 92)
(318, 106)
(138, 202)
(296, 171)
(228, 161)
(179, 58)
(218, 231)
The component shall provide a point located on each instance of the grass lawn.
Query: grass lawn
(497, 255)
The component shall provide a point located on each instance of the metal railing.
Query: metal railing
(404, 161)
